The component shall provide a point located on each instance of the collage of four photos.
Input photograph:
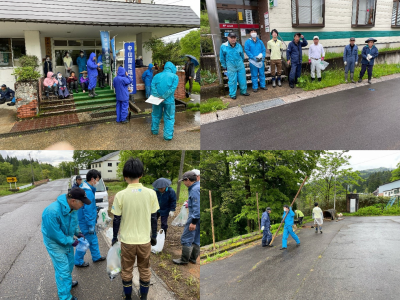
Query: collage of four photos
(113, 111)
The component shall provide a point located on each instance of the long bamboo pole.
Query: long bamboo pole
(212, 220)
(283, 220)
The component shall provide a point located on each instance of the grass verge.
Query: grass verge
(4, 189)
(212, 105)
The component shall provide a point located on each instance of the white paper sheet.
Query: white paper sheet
(154, 100)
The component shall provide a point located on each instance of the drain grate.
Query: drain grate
(250, 108)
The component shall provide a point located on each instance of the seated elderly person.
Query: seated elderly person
(7, 95)
(50, 84)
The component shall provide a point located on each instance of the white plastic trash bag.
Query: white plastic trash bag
(114, 260)
(103, 220)
(322, 65)
(160, 242)
(110, 233)
(181, 219)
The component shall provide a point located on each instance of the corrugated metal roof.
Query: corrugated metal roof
(98, 13)
(105, 157)
(389, 186)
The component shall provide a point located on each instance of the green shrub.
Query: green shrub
(27, 71)
(206, 77)
(377, 211)
(212, 104)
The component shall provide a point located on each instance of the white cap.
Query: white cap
(197, 172)
(315, 37)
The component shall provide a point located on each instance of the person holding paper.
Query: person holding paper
(369, 53)
(92, 74)
(163, 86)
(121, 83)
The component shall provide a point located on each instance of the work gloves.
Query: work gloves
(309, 61)
(113, 241)
(369, 56)
(322, 58)
(80, 235)
(171, 213)
(153, 241)
(91, 230)
(75, 243)
(186, 204)
(356, 63)
(262, 228)
(258, 59)
(345, 63)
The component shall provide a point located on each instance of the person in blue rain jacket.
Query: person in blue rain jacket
(265, 227)
(87, 217)
(232, 60)
(121, 83)
(59, 225)
(350, 59)
(92, 74)
(190, 238)
(81, 62)
(294, 56)
(147, 77)
(167, 202)
(6, 94)
(287, 229)
(369, 53)
(253, 48)
(163, 86)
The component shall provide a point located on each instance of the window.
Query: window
(110, 164)
(11, 49)
(109, 171)
(88, 43)
(308, 13)
(363, 13)
(396, 13)
(99, 165)
(117, 164)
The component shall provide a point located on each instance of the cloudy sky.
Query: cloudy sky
(371, 159)
(195, 6)
(53, 157)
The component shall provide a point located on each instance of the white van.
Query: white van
(101, 194)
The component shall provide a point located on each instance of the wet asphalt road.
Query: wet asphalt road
(352, 119)
(26, 271)
(357, 258)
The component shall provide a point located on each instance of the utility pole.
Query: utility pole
(33, 177)
(178, 189)
(334, 197)
(41, 171)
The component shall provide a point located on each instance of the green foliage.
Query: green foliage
(205, 41)
(336, 76)
(83, 158)
(195, 89)
(322, 186)
(206, 77)
(27, 71)
(396, 173)
(160, 163)
(212, 104)
(190, 44)
(193, 106)
(234, 178)
(204, 19)
(163, 52)
(377, 211)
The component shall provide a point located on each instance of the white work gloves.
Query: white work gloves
(171, 213)
(345, 63)
(356, 63)
(262, 228)
(369, 56)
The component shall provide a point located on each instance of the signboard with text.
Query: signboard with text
(105, 45)
(130, 65)
(11, 179)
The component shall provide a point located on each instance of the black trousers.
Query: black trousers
(164, 222)
(364, 68)
(101, 78)
(73, 85)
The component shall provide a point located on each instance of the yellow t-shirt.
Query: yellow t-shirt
(275, 48)
(135, 205)
(317, 212)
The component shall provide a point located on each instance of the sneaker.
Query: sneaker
(246, 94)
(255, 91)
(320, 232)
(100, 259)
(234, 97)
(84, 265)
(74, 283)
(298, 245)
(283, 248)
(11, 104)
(264, 88)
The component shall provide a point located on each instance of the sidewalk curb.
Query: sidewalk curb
(238, 111)
(160, 288)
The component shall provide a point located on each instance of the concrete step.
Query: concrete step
(267, 80)
(91, 108)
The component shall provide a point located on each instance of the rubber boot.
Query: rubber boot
(91, 94)
(279, 81)
(71, 91)
(186, 252)
(47, 94)
(94, 92)
(369, 80)
(360, 79)
(273, 82)
(144, 289)
(345, 77)
(319, 79)
(352, 77)
(195, 254)
(127, 289)
(312, 79)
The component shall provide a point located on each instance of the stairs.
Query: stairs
(268, 77)
(80, 102)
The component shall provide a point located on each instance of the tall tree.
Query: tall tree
(83, 158)
(396, 173)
